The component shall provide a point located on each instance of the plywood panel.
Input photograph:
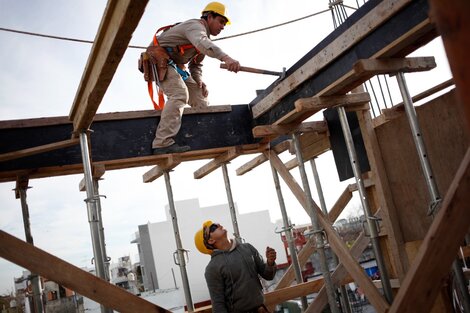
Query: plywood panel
(445, 139)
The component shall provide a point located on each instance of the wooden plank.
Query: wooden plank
(119, 21)
(318, 103)
(72, 277)
(336, 244)
(312, 149)
(39, 149)
(340, 204)
(404, 33)
(59, 120)
(98, 171)
(277, 130)
(228, 156)
(451, 223)
(451, 18)
(382, 194)
(374, 66)
(260, 159)
(289, 293)
(346, 40)
(171, 161)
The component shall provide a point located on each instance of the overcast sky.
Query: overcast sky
(39, 77)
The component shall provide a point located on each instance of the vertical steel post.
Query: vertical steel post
(316, 177)
(429, 175)
(288, 231)
(318, 232)
(228, 189)
(179, 246)
(370, 218)
(419, 143)
(101, 228)
(93, 218)
(35, 283)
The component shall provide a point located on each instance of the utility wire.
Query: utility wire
(142, 47)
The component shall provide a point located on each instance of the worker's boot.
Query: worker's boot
(174, 148)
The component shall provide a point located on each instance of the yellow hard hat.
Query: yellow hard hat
(199, 239)
(218, 8)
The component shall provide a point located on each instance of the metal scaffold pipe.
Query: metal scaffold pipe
(92, 209)
(316, 178)
(430, 181)
(101, 228)
(320, 239)
(370, 218)
(233, 214)
(181, 261)
(287, 229)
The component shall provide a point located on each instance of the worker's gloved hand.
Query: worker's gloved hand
(232, 65)
(203, 86)
(270, 256)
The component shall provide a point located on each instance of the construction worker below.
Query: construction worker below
(180, 44)
(232, 272)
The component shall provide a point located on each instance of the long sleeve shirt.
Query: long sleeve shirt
(195, 32)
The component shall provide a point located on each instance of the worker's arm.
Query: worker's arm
(215, 284)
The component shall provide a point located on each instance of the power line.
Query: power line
(142, 47)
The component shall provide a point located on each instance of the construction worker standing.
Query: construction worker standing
(232, 273)
(180, 44)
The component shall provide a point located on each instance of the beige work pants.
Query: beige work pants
(179, 93)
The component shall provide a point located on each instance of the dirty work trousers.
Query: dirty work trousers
(179, 93)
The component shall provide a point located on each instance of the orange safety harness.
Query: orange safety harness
(181, 49)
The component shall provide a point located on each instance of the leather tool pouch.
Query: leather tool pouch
(154, 55)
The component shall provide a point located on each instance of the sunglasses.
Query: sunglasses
(213, 227)
(208, 231)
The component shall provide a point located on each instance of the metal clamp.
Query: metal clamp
(434, 206)
(284, 229)
(175, 256)
(94, 198)
(376, 220)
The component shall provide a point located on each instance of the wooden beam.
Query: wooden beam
(67, 275)
(311, 147)
(451, 18)
(228, 156)
(277, 130)
(260, 159)
(318, 103)
(346, 40)
(336, 244)
(97, 172)
(372, 67)
(424, 278)
(289, 293)
(119, 21)
(39, 149)
(171, 161)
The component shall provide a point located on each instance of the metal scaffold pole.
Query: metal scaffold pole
(316, 178)
(287, 229)
(320, 238)
(180, 252)
(35, 282)
(93, 217)
(233, 214)
(430, 181)
(101, 228)
(372, 221)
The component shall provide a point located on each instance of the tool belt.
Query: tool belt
(154, 55)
